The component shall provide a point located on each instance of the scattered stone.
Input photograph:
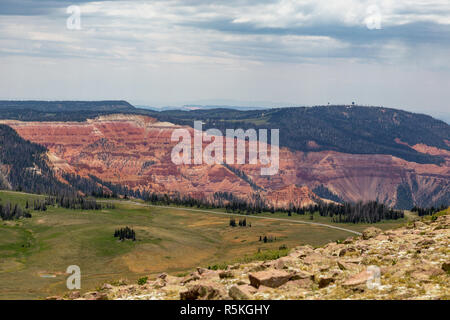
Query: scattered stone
(315, 258)
(349, 240)
(204, 290)
(346, 265)
(298, 275)
(242, 292)
(419, 224)
(324, 281)
(191, 277)
(201, 270)
(350, 251)
(226, 274)
(158, 283)
(258, 267)
(234, 266)
(425, 243)
(381, 237)
(209, 274)
(172, 288)
(301, 252)
(355, 260)
(358, 279)
(264, 289)
(74, 295)
(371, 232)
(169, 280)
(305, 283)
(96, 296)
(106, 286)
(269, 278)
(163, 276)
(425, 272)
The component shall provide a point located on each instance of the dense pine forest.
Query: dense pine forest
(428, 211)
(77, 203)
(10, 211)
(370, 212)
(61, 110)
(350, 129)
(24, 166)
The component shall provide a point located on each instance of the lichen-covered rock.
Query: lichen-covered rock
(446, 266)
(269, 278)
(95, 296)
(191, 277)
(423, 273)
(324, 281)
(315, 258)
(346, 265)
(242, 292)
(226, 274)
(350, 251)
(74, 295)
(204, 290)
(371, 233)
(299, 274)
(357, 279)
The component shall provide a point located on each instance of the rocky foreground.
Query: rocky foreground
(412, 262)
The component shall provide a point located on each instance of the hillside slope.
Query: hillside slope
(346, 129)
(24, 165)
(29, 167)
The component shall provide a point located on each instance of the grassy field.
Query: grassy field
(35, 252)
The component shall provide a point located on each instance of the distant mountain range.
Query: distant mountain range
(342, 153)
(190, 107)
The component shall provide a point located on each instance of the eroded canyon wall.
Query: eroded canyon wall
(136, 151)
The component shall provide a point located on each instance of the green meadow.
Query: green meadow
(35, 252)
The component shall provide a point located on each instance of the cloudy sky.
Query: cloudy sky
(393, 53)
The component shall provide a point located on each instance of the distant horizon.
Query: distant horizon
(239, 106)
(242, 53)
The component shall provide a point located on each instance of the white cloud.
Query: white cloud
(280, 29)
(209, 46)
(282, 13)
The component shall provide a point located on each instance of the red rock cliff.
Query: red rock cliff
(136, 151)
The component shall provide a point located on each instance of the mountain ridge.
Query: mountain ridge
(349, 129)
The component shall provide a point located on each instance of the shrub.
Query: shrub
(142, 281)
